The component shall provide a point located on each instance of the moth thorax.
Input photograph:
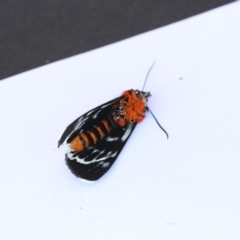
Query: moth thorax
(132, 107)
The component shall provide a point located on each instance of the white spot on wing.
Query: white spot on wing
(105, 165)
(110, 139)
(89, 112)
(128, 131)
(114, 154)
(82, 161)
(96, 114)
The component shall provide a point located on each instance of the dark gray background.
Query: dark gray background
(35, 32)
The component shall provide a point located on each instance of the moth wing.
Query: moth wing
(85, 120)
(94, 162)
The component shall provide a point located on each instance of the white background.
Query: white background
(187, 187)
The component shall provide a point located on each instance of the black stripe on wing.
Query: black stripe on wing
(90, 118)
(94, 162)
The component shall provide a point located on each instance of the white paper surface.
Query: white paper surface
(187, 187)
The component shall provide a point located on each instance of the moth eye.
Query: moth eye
(144, 110)
(137, 93)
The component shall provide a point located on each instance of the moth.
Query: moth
(96, 138)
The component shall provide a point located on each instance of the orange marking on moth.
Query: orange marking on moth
(135, 107)
(139, 107)
(121, 122)
(76, 144)
(100, 131)
(93, 137)
(105, 123)
(86, 141)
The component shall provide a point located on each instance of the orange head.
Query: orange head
(132, 107)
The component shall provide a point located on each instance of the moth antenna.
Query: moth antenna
(147, 75)
(158, 123)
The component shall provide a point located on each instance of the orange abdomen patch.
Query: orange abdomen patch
(76, 144)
